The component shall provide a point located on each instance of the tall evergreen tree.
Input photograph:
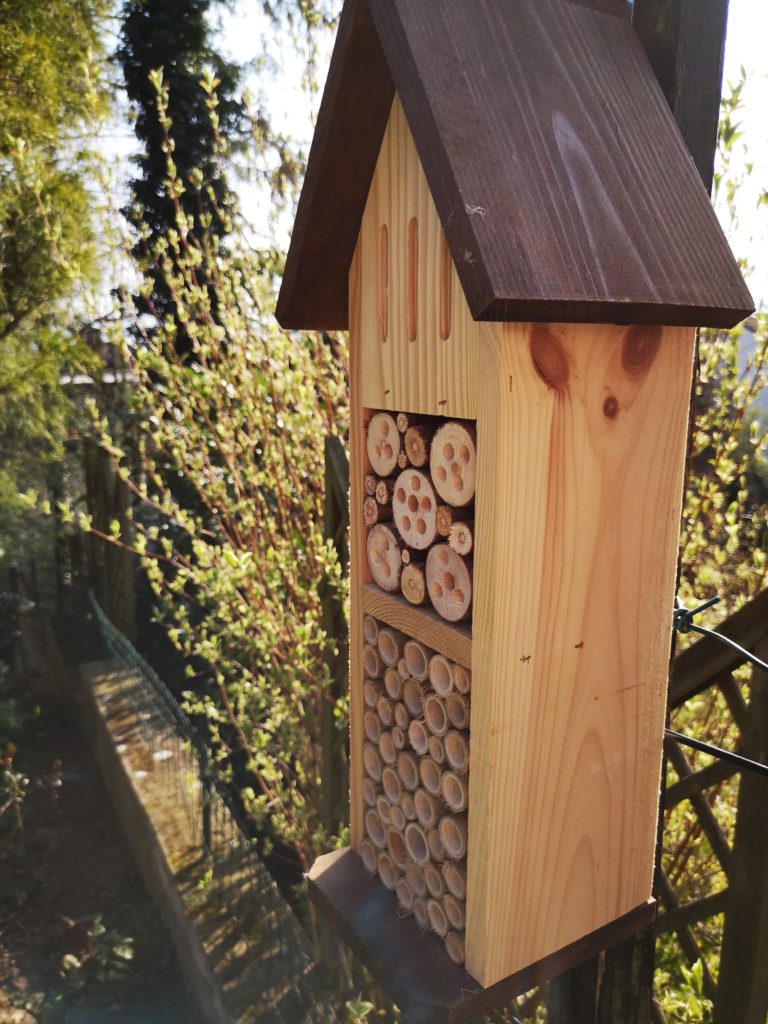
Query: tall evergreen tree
(175, 35)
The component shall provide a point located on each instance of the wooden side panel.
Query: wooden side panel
(581, 445)
(358, 565)
(418, 340)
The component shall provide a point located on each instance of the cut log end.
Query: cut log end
(413, 583)
(417, 444)
(449, 583)
(414, 509)
(453, 462)
(383, 444)
(461, 538)
(384, 560)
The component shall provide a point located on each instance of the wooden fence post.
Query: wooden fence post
(685, 44)
(742, 992)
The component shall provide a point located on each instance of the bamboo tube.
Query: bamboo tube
(370, 630)
(369, 484)
(449, 583)
(413, 697)
(372, 726)
(454, 947)
(391, 644)
(434, 882)
(402, 461)
(453, 462)
(455, 791)
(455, 876)
(383, 443)
(418, 734)
(453, 832)
(417, 659)
(455, 911)
(372, 663)
(383, 551)
(435, 714)
(435, 844)
(387, 748)
(446, 518)
(391, 784)
(374, 513)
(385, 711)
(402, 718)
(404, 894)
(457, 709)
(384, 491)
(372, 690)
(415, 842)
(457, 750)
(462, 680)
(405, 420)
(374, 827)
(417, 443)
(407, 806)
(420, 913)
(462, 538)
(402, 669)
(397, 818)
(372, 762)
(388, 873)
(415, 876)
(370, 791)
(399, 738)
(393, 684)
(413, 583)
(396, 849)
(431, 776)
(408, 770)
(427, 808)
(438, 922)
(414, 509)
(441, 674)
(368, 856)
(383, 808)
(436, 749)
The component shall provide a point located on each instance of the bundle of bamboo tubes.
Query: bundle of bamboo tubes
(416, 784)
(419, 509)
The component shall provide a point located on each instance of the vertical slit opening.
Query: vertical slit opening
(383, 293)
(446, 283)
(413, 279)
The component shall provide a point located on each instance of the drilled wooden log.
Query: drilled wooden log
(449, 583)
(414, 509)
(461, 538)
(383, 444)
(418, 443)
(413, 583)
(453, 462)
(383, 551)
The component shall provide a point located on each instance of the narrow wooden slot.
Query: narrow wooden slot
(383, 290)
(446, 284)
(412, 310)
(451, 639)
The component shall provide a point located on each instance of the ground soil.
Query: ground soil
(72, 861)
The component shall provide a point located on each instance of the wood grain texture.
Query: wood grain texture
(429, 374)
(413, 967)
(351, 121)
(423, 624)
(576, 540)
(562, 182)
(358, 563)
(685, 44)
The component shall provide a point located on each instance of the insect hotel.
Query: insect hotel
(500, 210)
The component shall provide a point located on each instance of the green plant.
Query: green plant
(686, 1004)
(358, 1010)
(13, 789)
(95, 955)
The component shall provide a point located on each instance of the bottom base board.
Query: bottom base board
(413, 967)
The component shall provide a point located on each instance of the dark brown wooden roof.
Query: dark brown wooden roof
(564, 188)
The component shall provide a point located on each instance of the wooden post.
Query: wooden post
(742, 992)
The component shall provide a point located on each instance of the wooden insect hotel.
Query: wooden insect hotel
(499, 208)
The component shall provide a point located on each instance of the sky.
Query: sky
(292, 110)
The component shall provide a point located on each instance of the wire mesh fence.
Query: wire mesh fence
(262, 953)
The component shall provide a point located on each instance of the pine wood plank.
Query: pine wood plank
(424, 624)
(417, 296)
(358, 564)
(576, 523)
